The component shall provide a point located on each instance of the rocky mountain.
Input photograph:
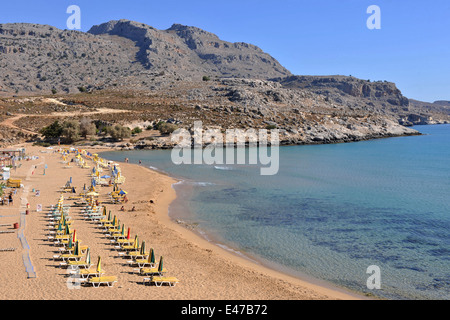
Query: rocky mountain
(42, 59)
(184, 73)
(376, 97)
(191, 51)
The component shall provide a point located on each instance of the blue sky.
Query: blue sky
(315, 37)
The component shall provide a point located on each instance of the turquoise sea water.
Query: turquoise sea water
(331, 211)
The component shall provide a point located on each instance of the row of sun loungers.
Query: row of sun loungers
(129, 248)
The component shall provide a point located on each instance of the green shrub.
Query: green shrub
(51, 131)
(167, 128)
(136, 130)
(119, 132)
(71, 130)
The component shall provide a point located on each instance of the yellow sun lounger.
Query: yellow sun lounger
(87, 273)
(68, 257)
(151, 271)
(159, 281)
(97, 281)
(74, 264)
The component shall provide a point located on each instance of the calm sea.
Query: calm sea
(331, 211)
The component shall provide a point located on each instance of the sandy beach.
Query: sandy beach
(205, 271)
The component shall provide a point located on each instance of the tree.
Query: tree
(167, 128)
(52, 131)
(119, 132)
(87, 127)
(71, 130)
(136, 130)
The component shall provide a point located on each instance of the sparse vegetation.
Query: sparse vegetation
(119, 132)
(167, 128)
(136, 130)
(87, 127)
(52, 131)
(71, 131)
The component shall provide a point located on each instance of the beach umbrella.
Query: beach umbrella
(73, 190)
(84, 187)
(128, 234)
(136, 243)
(109, 215)
(99, 265)
(70, 244)
(88, 256)
(60, 226)
(142, 247)
(123, 229)
(160, 266)
(104, 210)
(75, 236)
(122, 192)
(106, 177)
(76, 252)
(67, 231)
(151, 256)
(92, 194)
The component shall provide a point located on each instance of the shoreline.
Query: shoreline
(205, 270)
(231, 254)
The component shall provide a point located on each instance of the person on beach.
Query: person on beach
(10, 198)
(133, 209)
(122, 209)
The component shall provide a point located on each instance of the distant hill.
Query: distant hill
(170, 65)
(42, 58)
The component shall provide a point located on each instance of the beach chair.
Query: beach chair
(66, 250)
(76, 264)
(152, 271)
(143, 263)
(160, 280)
(137, 255)
(88, 273)
(97, 281)
(67, 257)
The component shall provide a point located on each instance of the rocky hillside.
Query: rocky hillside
(190, 51)
(133, 74)
(43, 59)
(375, 97)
